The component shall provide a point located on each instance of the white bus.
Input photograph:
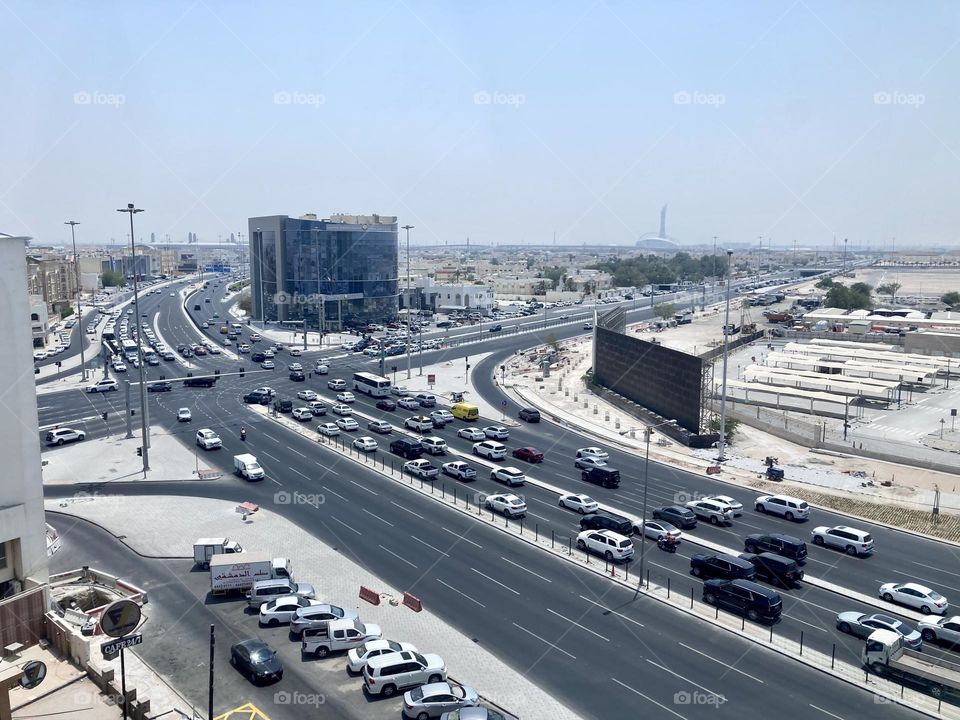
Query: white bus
(129, 349)
(370, 384)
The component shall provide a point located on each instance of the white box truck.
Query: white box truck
(237, 573)
(886, 655)
(206, 548)
(246, 466)
(337, 635)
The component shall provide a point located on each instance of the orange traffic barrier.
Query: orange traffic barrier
(412, 602)
(371, 596)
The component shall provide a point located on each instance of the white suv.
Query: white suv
(386, 674)
(785, 506)
(490, 449)
(420, 423)
(609, 544)
(508, 475)
(208, 439)
(712, 510)
(851, 540)
(64, 435)
(103, 386)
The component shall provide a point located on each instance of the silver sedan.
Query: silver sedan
(861, 625)
(435, 699)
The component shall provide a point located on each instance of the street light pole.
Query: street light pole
(726, 345)
(76, 271)
(408, 228)
(131, 210)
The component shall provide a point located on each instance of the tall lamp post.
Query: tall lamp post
(76, 271)
(408, 228)
(131, 210)
(648, 431)
(726, 337)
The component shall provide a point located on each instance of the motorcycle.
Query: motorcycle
(667, 544)
(243, 434)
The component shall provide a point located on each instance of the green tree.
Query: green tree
(245, 302)
(732, 426)
(552, 342)
(855, 297)
(951, 299)
(530, 263)
(889, 289)
(825, 284)
(554, 273)
(66, 311)
(665, 311)
(112, 278)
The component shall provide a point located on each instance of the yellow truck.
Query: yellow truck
(465, 411)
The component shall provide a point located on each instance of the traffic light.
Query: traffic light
(104, 417)
(241, 371)
(139, 452)
(59, 364)
(217, 372)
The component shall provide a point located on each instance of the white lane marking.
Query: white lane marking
(544, 502)
(721, 662)
(269, 436)
(533, 514)
(347, 526)
(525, 569)
(424, 542)
(461, 593)
(276, 481)
(398, 557)
(582, 627)
(269, 456)
(364, 487)
(378, 517)
(676, 674)
(825, 712)
(302, 475)
(505, 587)
(333, 492)
(648, 698)
(303, 456)
(408, 510)
(931, 567)
(612, 612)
(462, 538)
(329, 470)
(559, 649)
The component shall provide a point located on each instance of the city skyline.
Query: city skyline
(788, 121)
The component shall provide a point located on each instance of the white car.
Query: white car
(357, 657)
(302, 413)
(715, 512)
(380, 426)
(336, 384)
(785, 506)
(420, 423)
(496, 432)
(283, 609)
(329, 429)
(656, 529)
(321, 369)
(103, 386)
(589, 462)
(295, 366)
(268, 365)
(583, 504)
(916, 596)
(593, 452)
(227, 342)
(421, 468)
(346, 397)
(506, 504)
(208, 439)
(348, 424)
(317, 407)
(119, 367)
(945, 630)
(184, 415)
(400, 391)
(471, 433)
(611, 545)
(408, 403)
(59, 436)
(459, 470)
(341, 409)
(205, 325)
(842, 537)
(508, 475)
(734, 504)
(307, 395)
(296, 352)
(365, 444)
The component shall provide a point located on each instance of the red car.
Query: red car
(529, 454)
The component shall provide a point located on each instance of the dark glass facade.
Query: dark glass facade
(301, 268)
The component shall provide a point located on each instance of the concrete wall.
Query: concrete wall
(21, 492)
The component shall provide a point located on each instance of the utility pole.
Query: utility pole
(726, 344)
(76, 271)
(132, 210)
(408, 228)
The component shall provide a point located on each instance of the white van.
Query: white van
(490, 449)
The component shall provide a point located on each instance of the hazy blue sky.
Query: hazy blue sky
(502, 121)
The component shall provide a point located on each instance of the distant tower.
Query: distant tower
(153, 238)
(663, 222)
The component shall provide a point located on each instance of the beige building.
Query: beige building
(53, 276)
(520, 287)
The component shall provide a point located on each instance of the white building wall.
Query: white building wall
(22, 524)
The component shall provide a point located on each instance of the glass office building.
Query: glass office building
(334, 273)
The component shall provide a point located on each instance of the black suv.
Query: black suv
(256, 398)
(605, 477)
(407, 448)
(283, 406)
(775, 569)
(778, 544)
(744, 597)
(297, 375)
(385, 404)
(728, 567)
(607, 521)
(680, 517)
(199, 381)
(257, 357)
(531, 415)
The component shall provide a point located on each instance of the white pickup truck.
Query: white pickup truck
(246, 466)
(886, 655)
(337, 635)
(206, 548)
